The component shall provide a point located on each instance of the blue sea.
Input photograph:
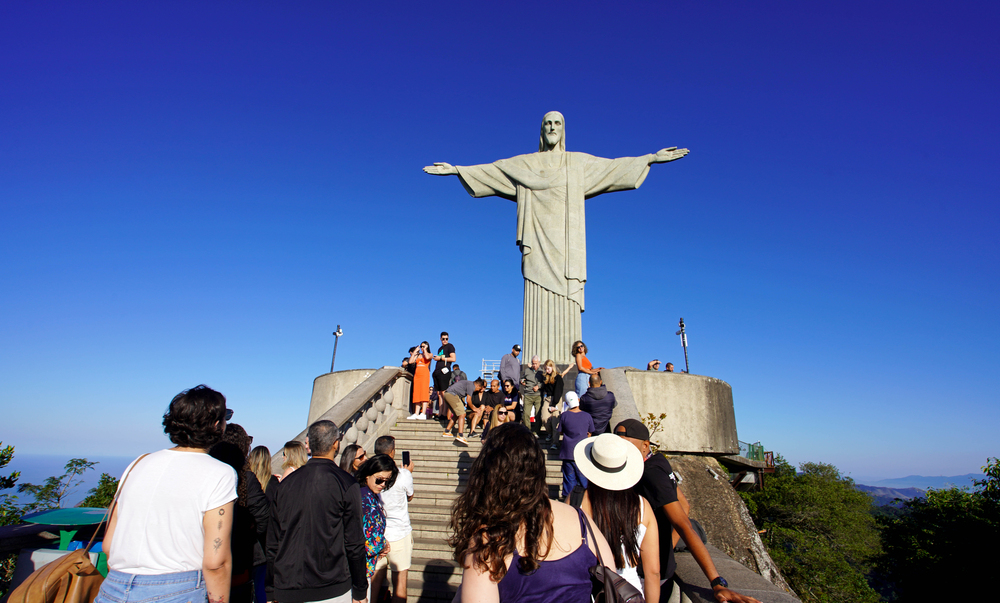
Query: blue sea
(35, 468)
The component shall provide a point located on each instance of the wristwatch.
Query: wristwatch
(720, 581)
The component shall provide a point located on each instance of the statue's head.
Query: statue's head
(553, 132)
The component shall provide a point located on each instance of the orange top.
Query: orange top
(585, 363)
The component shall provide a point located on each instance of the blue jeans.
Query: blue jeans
(181, 587)
(571, 477)
(582, 383)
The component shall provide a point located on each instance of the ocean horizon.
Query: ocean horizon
(36, 468)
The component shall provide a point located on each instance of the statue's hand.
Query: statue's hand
(441, 169)
(670, 154)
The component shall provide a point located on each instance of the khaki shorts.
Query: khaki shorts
(400, 555)
(456, 404)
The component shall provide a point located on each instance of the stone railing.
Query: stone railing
(367, 411)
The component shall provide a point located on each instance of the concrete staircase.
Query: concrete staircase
(440, 475)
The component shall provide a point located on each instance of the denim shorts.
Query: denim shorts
(181, 587)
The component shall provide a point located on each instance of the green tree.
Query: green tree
(10, 514)
(51, 494)
(819, 530)
(942, 541)
(102, 494)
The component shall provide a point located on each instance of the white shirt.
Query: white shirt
(629, 572)
(161, 509)
(397, 508)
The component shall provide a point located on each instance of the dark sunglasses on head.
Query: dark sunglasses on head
(380, 480)
(229, 414)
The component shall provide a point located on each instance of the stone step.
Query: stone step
(433, 548)
(430, 592)
(455, 477)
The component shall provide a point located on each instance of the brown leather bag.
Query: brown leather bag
(71, 578)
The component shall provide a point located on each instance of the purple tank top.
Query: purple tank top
(565, 580)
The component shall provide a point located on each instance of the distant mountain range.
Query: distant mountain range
(913, 486)
(885, 496)
(924, 482)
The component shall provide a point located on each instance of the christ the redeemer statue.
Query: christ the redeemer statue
(550, 187)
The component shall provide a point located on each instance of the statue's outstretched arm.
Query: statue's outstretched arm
(663, 155)
(442, 169)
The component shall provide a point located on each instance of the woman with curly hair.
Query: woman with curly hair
(514, 544)
(168, 537)
(376, 474)
(251, 514)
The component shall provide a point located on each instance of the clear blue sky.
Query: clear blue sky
(200, 192)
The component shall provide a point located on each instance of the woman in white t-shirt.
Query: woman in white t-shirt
(168, 538)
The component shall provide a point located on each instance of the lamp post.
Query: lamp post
(684, 344)
(336, 335)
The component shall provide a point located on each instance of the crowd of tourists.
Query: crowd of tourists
(531, 394)
(211, 520)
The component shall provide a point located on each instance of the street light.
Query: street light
(336, 340)
(684, 344)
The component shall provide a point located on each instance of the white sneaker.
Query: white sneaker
(412, 417)
(421, 417)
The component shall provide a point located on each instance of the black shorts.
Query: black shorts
(441, 380)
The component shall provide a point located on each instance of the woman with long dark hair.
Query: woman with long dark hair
(251, 514)
(375, 475)
(514, 544)
(511, 400)
(612, 466)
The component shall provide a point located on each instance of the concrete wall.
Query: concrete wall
(700, 416)
(328, 389)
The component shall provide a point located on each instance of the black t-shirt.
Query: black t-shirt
(491, 398)
(445, 350)
(659, 488)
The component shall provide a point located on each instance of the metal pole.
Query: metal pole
(336, 335)
(684, 344)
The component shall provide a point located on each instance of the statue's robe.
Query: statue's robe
(550, 189)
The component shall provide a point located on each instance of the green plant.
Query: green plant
(819, 531)
(51, 494)
(654, 423)
(102, 494)
(10, 514)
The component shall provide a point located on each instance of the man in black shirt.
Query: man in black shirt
(659, 486)
(442, 368)
(315, 540)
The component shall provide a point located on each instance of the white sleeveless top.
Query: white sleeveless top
(629, 572)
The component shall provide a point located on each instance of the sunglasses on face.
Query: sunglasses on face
(380, 480)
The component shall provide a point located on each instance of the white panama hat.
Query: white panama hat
(609, 461)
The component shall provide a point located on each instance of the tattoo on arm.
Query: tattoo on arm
(212, 599)
(220, 524)
(222, 511)
(217, 543)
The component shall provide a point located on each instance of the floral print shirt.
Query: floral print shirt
(373, 522)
